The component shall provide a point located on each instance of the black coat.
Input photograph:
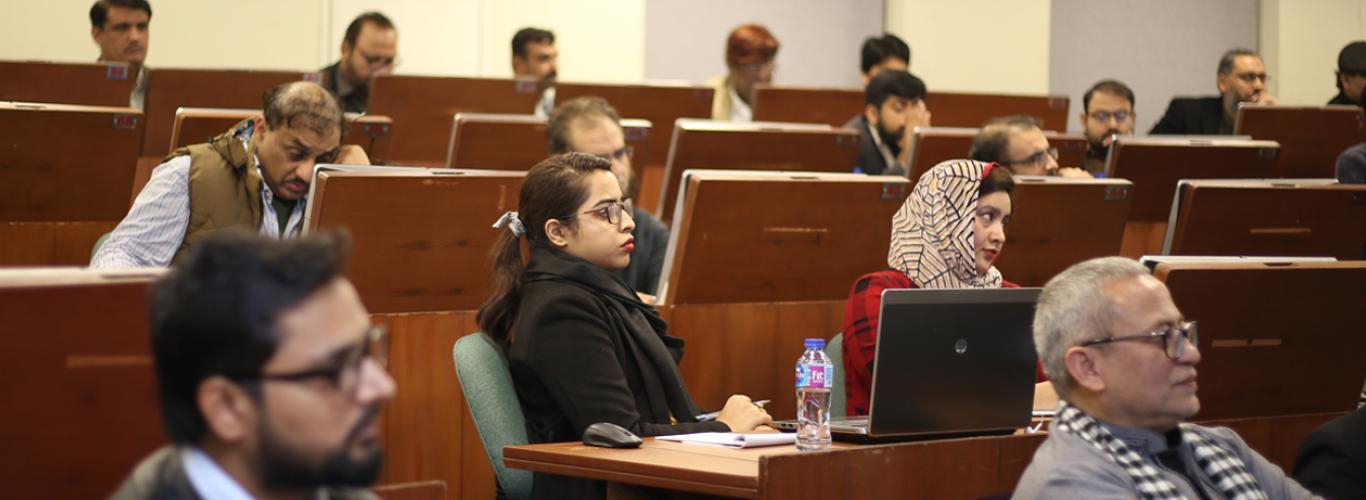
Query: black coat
(586, 350)
(1194, 116)
(1332, 459)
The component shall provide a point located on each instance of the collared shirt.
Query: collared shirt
(209, 480)
(546, 104)
(739, 110)
(138, 99)
(155, 227)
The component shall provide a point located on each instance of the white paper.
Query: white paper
(734, 440)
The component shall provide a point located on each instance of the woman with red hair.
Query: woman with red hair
(750, 51)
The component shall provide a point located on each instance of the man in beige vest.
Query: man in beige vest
(254, 176)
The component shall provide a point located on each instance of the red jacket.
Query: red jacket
(860, 335)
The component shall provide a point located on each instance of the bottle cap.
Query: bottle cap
(815, 343)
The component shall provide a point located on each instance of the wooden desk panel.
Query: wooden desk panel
(1058, 222)
(1269, 218)
(1311, 138)
(423, 107)
(171, 89)
(1155, 165)
(66, 163)
(49, 243)
(749, 348)
(91, 84)
(78, 404)
(660, 104)
(950, 109)
(726, 146)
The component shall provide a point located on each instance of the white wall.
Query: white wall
(1300, 42)
(819, 40)
(998, 46)
(1159, 48)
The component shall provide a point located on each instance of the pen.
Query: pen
(708, 417)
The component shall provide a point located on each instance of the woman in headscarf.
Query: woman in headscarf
(946, 235)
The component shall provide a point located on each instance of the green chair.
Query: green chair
(99, 243)
(484, 378)
(835, 351)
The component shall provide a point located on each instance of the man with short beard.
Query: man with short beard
(369, 49)
(894, 104)
(269, 373)
(1107, 110)
(1241, 79)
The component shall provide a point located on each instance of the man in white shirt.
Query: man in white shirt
(255, 176)
(534, 56)
(270, 375)
(122, 30)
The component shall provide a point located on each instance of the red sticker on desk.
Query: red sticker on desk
(376, 129)
(524, 86)
(125, 122)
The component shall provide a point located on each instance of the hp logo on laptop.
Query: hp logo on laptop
(961, 346)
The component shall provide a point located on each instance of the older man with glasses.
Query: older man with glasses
(1018, 143)
(1123, 358)
(269, 373)
(1241, 78)
(369, 49)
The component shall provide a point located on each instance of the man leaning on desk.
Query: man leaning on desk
(1123, 358)
(254, 176)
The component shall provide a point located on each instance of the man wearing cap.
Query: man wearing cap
(1351, 73)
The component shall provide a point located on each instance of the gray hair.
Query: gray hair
(1226, 62)
(1073, 308)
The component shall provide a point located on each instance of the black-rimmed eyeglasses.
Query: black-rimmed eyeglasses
(345, 374)
(1173, 338)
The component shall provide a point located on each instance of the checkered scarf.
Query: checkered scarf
(1225, 470)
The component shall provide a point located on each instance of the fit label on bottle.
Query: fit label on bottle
(814, 376)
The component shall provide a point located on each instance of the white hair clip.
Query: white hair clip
(512, 222)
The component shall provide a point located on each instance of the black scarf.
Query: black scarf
(644, 331)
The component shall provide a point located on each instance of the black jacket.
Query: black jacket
(870, 159)
(1194, 116)
(586, 350)
(356, 101)
(1342, 98)
(1332, 459)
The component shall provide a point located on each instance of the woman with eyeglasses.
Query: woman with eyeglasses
(582, 348)
(946, 235)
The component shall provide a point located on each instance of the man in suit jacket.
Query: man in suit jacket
(1241, 78)
(269, 374)
(369, 49)
(1332, 459)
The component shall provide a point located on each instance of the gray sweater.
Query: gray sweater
(1066, 467)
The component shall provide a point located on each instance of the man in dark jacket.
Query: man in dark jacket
(269, 374)
(1332, 459)
(894, 105)
(1351, 73)
(369, 49)
(1241, 79)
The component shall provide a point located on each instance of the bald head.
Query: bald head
(303, 104)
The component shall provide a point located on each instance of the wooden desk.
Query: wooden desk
(1311, 138)
(172, 89)
(90, 84)
(1156, 164)
(198, 125)
(950, 109)
(422, 107)
(65, 172)
(951, 468)
(1284, 218)
(421, 237)
(518, 142)
(78, 404)
(1058, 222)
(705, 144)
(933, 145)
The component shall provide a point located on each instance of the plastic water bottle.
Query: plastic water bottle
(815, 373)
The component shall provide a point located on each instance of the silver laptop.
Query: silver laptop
(949, 363)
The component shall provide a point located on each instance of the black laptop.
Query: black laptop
(949, 363)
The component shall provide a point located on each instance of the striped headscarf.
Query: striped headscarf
(932, 232)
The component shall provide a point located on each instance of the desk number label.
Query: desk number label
(125, 122)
